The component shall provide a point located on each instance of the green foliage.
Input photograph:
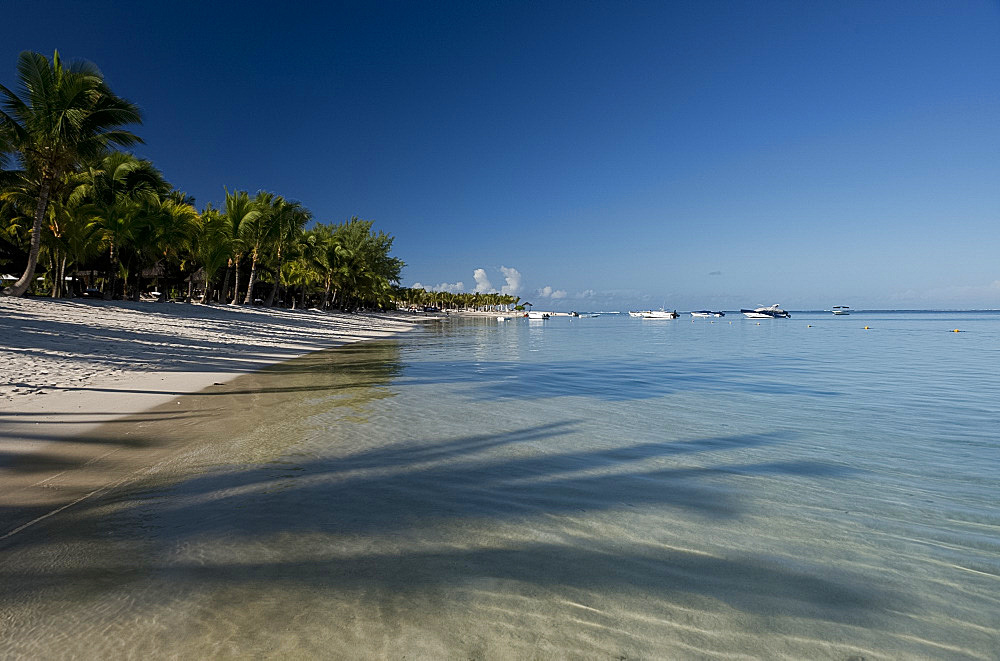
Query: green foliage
(75, 203)
(407, 297)
(61, 116)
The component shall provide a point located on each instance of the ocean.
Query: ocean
(817, 487)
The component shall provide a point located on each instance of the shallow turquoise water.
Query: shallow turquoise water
(582, 488)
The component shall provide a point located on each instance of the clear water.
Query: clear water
(575, 488)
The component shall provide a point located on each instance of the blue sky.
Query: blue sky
(590, 155)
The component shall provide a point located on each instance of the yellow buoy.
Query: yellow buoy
(866, 328)
(956, 331)
(809, 326)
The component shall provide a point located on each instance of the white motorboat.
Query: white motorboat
(841, 309)
(655, 314)
(537, 315)
(707, 313)
(770, 312)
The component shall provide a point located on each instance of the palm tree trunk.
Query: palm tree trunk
(22, 284)
(253, 279)
(62, 276)
(54, 273)
(236, 285)
(277, 282)
(224, 292)
(109, 292)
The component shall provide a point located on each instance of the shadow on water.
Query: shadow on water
(398, 516)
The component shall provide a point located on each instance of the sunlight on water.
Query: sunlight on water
(585, 488)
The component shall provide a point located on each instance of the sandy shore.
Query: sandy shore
(68, 365)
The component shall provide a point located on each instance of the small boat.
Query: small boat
(707, 313)
(841, 309)
(770, 312)
(502, 318)
(655, 314)
(537, 315)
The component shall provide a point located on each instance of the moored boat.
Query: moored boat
(769, 312)
(841, 309)
(655, 314)
(707, 313)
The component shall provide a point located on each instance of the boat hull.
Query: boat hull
(654, 314)
(773, 312)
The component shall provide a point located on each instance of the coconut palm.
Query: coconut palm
(164, 231)
(120, 191)
(62, 115)
(240, 210)
(211, 244)
(289, 219)
(258, 231)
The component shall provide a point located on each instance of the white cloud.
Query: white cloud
(587, 293)
(451, 287)
(549, 292)
(483, 284)
(513, 278)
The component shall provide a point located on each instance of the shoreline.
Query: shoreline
(70, 365)
(72, 368)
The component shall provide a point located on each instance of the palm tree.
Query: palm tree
(240, 209)
(258, 231)
(120, 191)
(165, 231)
(211, 244)
(289, 219)
(64, 114)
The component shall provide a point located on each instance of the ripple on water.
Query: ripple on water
(568, 489)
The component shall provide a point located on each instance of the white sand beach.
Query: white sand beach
(100, 360)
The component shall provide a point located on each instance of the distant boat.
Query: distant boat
(841, 309)
(537, 315)
(655, 314)
(707, 313)
(770, 312)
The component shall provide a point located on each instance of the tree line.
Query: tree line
(409, 297)
(79, 215)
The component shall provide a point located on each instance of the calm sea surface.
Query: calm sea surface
(599, 488)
